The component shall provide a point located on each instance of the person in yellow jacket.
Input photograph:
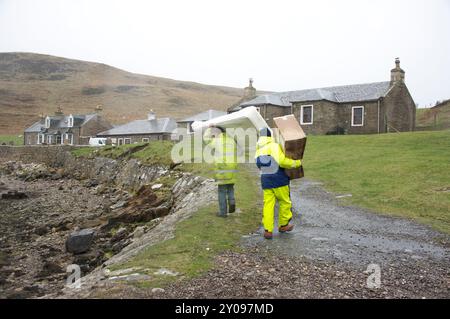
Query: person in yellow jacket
(225, 162)
(272, 161)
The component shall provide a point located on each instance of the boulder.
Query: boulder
(80, 241)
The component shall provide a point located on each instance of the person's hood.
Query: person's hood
(263, 140)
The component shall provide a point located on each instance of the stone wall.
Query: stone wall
(129, 174)
(400, 109)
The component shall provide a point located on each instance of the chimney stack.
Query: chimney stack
(151, 116)
(59, 111)
(397, 74)
(250, 91)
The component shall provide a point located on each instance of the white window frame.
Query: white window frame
(145, 140)
(312, 114)
(47, 122)
(70, 120)
(49, 139)
(362, 115)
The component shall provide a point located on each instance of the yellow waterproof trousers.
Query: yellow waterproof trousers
(271, 195)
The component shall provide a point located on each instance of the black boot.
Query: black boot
(232, 209)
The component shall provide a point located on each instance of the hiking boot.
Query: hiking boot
(286, 228)
(268, 235)
(232, 209)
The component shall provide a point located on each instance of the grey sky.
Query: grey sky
(283, 45)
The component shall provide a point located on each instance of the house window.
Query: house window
(70, 124)
(357, 115)
(41, 138)
(49, 139)
(58, 139)
(47, 122)
(145, 140)
(127, 140)
(306, 114)
(68, 139)
(120, 141)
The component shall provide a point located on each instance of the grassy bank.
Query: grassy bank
(405, 174)
(15, 139)
(198, 239)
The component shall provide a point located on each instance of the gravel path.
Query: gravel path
(330, 232)
(327, 256)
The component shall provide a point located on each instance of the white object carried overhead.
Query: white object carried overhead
(246, 118)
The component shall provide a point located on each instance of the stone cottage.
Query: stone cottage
(65, 129)
(378, 107)
(139, 131)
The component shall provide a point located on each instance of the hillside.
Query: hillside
(435, 118)
(31, 84)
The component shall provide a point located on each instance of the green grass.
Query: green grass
(404, 174)
(156, 152)
(16, 139)
(199, 238)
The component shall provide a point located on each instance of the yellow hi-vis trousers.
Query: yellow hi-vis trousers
(271, 195)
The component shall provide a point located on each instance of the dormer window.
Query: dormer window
(47, 122)
(70, 123)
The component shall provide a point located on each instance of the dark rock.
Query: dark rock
(41, 230)
(91, 183)
(14, 194)
(80, 241)
(50, 268)
(121, 234)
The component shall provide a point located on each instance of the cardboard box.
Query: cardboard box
(293, 141)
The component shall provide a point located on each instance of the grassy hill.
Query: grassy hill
(404, 174)
(437, 118)
(31, 84)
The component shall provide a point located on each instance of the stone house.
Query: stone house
(65, 129)
(378, 107)
(184, 125)
(141, 130)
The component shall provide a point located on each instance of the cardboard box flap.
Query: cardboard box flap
(289, 127)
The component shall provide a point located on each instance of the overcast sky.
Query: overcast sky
(283, 45)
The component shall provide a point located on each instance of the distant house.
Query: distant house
(65, 129)
(141, 130)
(184, 125)
(353, 109)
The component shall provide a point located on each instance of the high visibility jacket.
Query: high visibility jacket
(272, 161)
(225, 159)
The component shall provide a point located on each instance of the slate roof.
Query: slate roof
(59, 122)
(204, 116)
(159, 125)
(337, 94)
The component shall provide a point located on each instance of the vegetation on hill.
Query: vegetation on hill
(31, 84)
(433, 118)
